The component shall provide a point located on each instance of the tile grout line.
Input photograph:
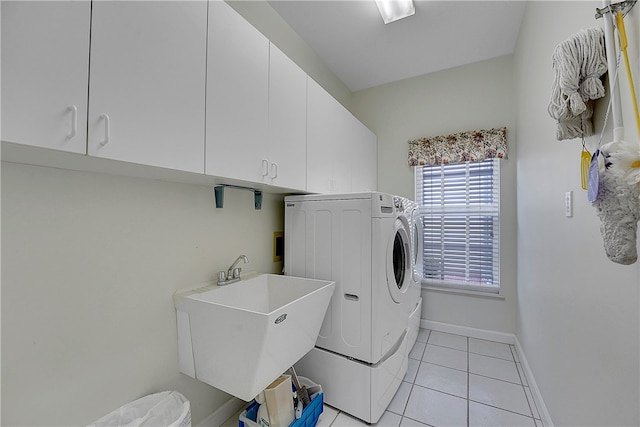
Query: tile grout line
(472, 400)
(442, 392)
(418, 421)
(503, 409)
(539, 417)
(443, 366)
(496, 379)
(532, 403)
(413, 382)
(473, 352)
(450, 348)
(512, 349)
(492, 357)
(522, 375)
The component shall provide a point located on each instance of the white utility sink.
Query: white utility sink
(242, 336)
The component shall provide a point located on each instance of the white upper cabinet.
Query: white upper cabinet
(237, 96)
(325, 153)
(364, 165)
(147, 83)
(341, 151)
(45, 66)
(286, 154)
(182, 85)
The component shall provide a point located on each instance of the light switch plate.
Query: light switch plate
(568, 204)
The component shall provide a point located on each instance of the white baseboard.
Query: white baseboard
(223, 413)
(482, 334)
(533, 386)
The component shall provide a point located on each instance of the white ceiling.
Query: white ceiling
(350, 37)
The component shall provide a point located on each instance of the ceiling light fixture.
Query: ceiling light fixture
(392, 10)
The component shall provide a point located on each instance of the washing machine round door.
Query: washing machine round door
(399, 261)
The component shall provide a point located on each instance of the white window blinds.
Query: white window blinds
(460, 209)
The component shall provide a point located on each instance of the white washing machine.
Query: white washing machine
(361, 241)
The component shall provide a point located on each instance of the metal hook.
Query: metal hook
(623, 6)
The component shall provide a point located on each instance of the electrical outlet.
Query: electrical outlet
(568, 204)
(278, 246)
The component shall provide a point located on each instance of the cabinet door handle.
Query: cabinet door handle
(107, 129)
(274, 170)
(265, 167)
(74, 121)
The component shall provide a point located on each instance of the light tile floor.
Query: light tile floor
(453, 380)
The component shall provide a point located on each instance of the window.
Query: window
(460, 212)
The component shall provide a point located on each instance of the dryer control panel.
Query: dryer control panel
(398, 202)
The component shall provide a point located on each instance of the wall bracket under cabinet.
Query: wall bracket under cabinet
(219, 195)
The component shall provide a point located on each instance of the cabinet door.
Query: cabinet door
(342, 160)
(287, 151)
(237, 96)
(328, 143)
(45, 66)
(146, 95)
(322, 146)
(364, 158)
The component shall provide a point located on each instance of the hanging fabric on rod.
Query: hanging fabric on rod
(578, 63)
(618, 202)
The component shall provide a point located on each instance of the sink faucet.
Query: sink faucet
(233, 273)
(232, 270)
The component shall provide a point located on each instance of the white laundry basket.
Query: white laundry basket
(167, 408)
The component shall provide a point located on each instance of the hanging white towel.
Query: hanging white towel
(578, 63)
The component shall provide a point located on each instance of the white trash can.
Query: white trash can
(167, 408)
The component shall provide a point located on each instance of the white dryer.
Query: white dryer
(414, 299)
(408, 214)
(361, 241)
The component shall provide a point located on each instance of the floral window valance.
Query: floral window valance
(473, 146)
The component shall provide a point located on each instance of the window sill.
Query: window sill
(466, 292)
